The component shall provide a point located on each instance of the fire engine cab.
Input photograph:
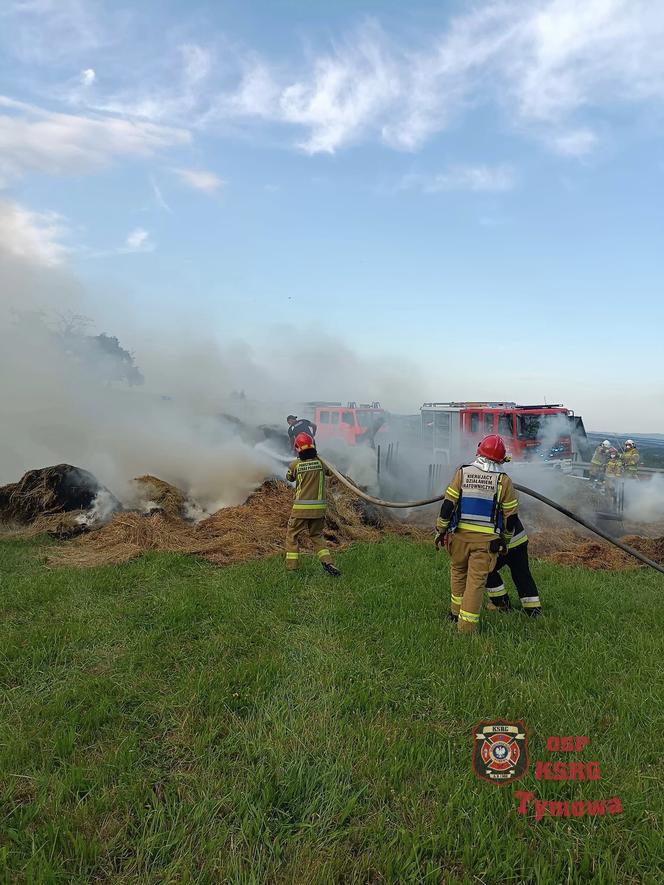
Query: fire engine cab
(452, 431)
(354, 424)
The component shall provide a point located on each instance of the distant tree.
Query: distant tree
(102, 355)
(120, 362)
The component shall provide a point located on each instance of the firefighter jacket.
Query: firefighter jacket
(481, 503)
(600, 457)
(614, 467)
(309, 479)
(630, 460)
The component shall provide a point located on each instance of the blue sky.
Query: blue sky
(474, 190)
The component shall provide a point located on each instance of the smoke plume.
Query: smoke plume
(65, 400)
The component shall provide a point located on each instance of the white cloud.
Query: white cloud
(159, 197)
(138, 240)
(197, 62)
(347, 93)
(544, 63)
(35, 236)
(541, 61)
(87, 77)
(39, 31)
(575, 143)
(200, 179)
(180, 90)
(492, 179)
(32, 139)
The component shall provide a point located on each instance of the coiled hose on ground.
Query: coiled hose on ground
(406, 505)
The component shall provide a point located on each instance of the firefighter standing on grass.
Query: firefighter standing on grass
(516, 559)
(476, 521)
(308, 514)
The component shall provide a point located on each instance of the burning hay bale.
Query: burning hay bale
(62, 500)
(153, 494)
(233, 534)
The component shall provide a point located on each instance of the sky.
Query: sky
(468, 191)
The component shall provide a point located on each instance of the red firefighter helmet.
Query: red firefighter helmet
(493, 448)
(303, 441)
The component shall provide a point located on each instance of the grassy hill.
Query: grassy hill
(167, 721)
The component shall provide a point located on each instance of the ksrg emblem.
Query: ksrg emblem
(500, 751)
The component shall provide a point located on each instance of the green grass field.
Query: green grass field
(167, 722)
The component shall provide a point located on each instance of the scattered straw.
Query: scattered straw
(234, 534)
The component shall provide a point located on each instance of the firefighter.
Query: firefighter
(614, 466)
(299, 425)
(308, 513)
(630, 460)
(598, 461)
(614, 471)
(516, 559)
(476, 521)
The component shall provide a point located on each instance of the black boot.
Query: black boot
(452, 617)
(499, 604)
(331, 569)
(533, 612)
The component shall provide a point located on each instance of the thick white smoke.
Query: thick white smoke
(57, 407)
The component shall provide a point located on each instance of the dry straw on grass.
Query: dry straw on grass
(253, 530)
(234, 534)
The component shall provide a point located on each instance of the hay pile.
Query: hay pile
(62, 501)
(154, 494)
(48, 491)
(234, 534)
(588, 551)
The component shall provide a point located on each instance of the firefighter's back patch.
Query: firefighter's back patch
(500, 751)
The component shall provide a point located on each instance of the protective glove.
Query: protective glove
(443, 539)
(499, 546)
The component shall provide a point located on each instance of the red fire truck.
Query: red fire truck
(452, 431)
(354, 424)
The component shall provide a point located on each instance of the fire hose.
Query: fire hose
(406, 505)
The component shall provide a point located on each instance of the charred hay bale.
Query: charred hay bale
(47, 491)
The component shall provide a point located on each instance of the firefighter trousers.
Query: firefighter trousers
(470, 564)
(300, 528)
(516, 560)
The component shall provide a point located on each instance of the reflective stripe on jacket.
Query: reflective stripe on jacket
(519, 537)
(482, 500)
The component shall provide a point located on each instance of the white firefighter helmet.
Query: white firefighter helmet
(629, 443)
(606, 444)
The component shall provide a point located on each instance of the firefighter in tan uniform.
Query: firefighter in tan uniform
(476, 522)
(613, 475)
(308, 514)
(630, 460)
(614, 466)
(599, 460)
